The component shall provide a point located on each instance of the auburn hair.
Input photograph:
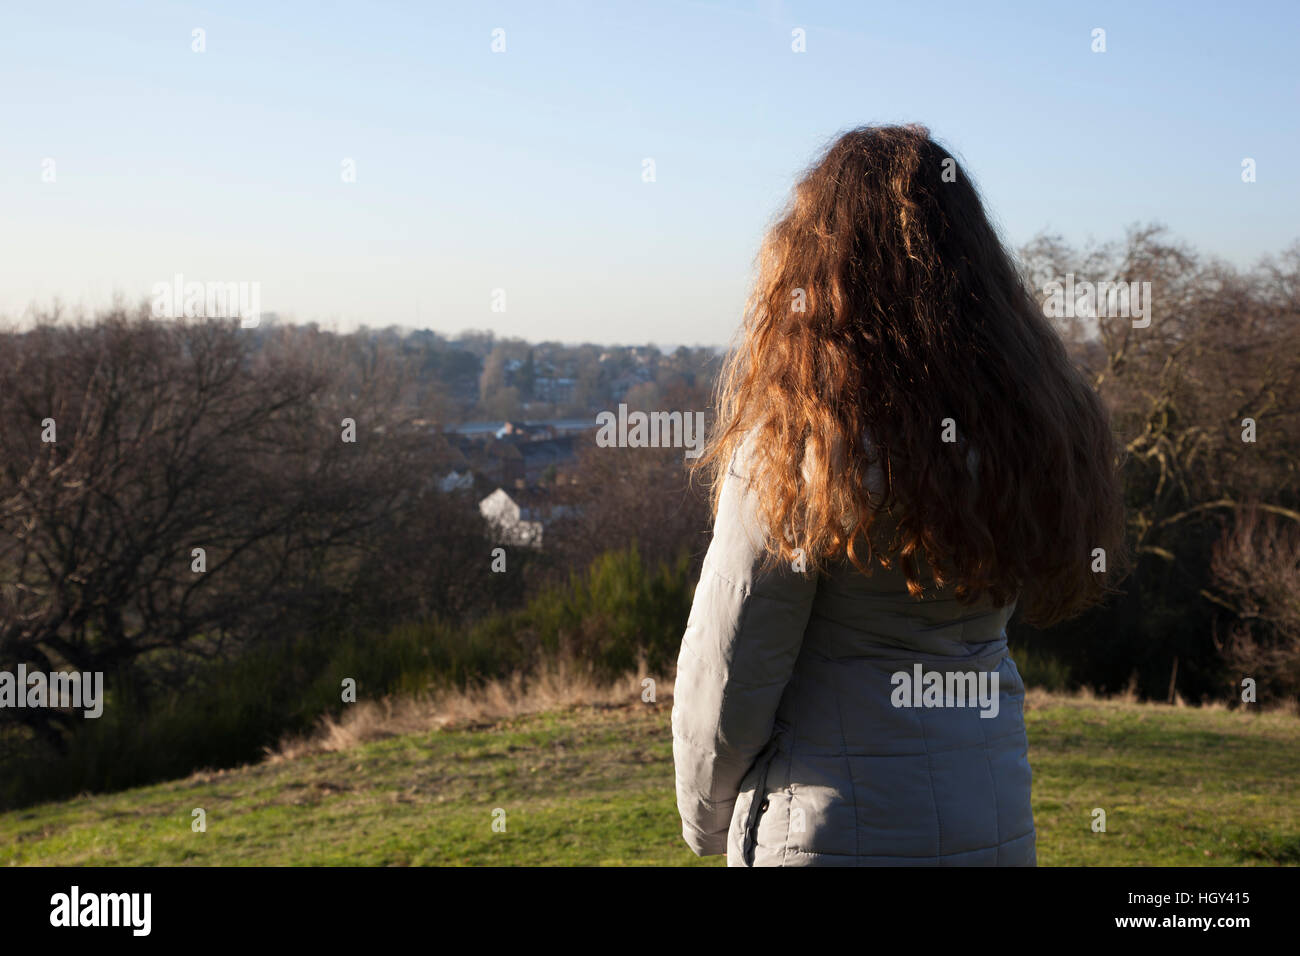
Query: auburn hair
(889, 328)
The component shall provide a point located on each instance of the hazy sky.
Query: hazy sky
(522, 170)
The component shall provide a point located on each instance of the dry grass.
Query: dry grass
(1037, 697)
(559, 685)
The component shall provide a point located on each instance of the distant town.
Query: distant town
(516, 415)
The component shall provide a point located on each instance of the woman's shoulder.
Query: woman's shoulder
(745, 457)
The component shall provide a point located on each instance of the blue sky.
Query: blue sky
(522, 170)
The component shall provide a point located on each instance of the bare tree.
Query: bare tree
(1256, 568)
(183, 487)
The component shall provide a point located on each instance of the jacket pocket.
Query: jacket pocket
(758, 802)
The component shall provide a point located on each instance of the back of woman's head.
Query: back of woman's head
(890, 327)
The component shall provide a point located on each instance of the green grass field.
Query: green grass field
(1180, 787)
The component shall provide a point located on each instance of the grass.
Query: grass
(593, 785)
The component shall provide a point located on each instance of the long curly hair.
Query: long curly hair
(889, 335)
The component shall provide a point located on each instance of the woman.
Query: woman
(903, 412)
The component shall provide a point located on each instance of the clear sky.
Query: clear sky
(522, 170)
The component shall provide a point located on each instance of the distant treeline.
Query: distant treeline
(478, 376)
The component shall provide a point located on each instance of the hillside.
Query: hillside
(594, 785)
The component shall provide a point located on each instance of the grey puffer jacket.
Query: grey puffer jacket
(795, 743)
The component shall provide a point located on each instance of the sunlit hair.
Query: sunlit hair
(885, 305)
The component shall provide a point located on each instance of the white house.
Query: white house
(513, 523)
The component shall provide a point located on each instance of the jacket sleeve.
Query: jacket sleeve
(742, 638)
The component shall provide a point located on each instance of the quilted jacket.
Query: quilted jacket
(797, 743)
